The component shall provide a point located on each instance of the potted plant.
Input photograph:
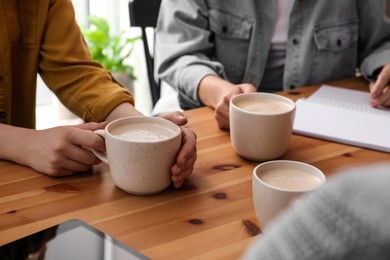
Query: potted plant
(111, 50)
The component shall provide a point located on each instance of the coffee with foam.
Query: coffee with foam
(263, 105)
(142, 132)
(280, 183)
(290, 179)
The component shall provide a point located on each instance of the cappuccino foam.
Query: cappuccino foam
(142, 132)
(263, 105)
(290, 179)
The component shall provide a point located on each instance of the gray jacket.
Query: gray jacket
(327, 40)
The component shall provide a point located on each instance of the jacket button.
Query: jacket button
(3, 114)
(295, 41)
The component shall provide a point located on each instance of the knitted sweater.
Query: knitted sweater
(348, 218)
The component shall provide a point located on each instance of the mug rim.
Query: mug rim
(280, 97)
(314, 170)
(145, 119)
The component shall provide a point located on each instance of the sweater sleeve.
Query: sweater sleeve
(66, 66)
(346, 219)
(184, 48)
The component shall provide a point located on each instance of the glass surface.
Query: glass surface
(73, 239)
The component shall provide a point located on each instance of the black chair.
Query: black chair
(143, 14)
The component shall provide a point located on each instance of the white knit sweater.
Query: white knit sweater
(348, 218)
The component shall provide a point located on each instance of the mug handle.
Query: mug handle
(102, 156)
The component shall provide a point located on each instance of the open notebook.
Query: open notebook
(345, 116)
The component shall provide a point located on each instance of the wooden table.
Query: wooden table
(211, 217)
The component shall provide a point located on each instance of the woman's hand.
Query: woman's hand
(380, 93)
(221, 112)
(61, 151)
(187, 155)
(216, 93)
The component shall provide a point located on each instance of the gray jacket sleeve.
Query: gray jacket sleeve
(183, 48)
(374, 35)
(348, 218)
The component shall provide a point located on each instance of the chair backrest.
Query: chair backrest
(143, 14)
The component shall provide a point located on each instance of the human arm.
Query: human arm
(216, 93)
(184, 48)
(90, 91)
(57, 51)
(374, 50)
(194, 43)
(66, 66)
(65, 150)
(58, 151)
(85, 88)
(55, 151)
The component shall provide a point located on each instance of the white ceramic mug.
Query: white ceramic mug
(140, 152)
(276, 184)
(261, 125)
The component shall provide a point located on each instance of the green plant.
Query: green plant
(109, 50)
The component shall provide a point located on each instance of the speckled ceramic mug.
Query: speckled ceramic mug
(261, 125)
(280, 183)
(140, 153)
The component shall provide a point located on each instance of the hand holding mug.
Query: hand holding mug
(140, 152)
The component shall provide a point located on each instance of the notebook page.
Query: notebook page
(347, 98)
(343, 119)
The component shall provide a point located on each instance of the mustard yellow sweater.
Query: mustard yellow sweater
(42, 36)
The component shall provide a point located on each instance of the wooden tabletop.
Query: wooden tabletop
(211, 217)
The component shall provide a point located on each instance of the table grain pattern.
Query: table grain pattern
(210, 217)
